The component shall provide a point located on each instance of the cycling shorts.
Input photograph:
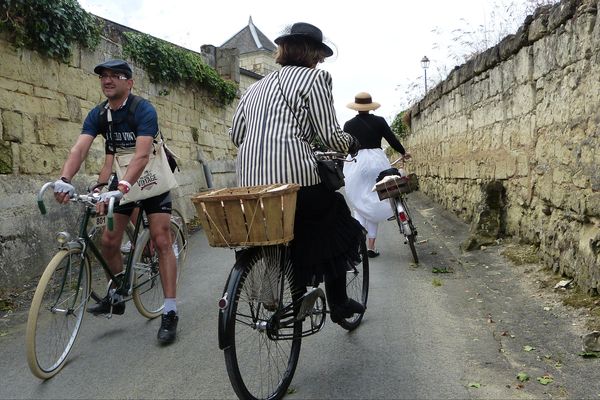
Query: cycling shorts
(157, 204)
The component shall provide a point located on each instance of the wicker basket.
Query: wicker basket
(248, 216)
(393, 187)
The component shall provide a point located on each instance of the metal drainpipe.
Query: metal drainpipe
(207, 173)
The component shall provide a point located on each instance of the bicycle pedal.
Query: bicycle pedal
(308, 301)
(391, 218)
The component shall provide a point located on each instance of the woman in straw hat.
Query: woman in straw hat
(369, 129)
(276, 122)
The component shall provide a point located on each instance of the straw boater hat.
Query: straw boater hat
(363, 102)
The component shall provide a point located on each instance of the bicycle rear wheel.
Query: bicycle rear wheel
(56, 312)
(147, 293)
(177, 217)
(403, 217)
(411, 243)
(357, 287)
(179, 240)
(410, 238)
(259, 367)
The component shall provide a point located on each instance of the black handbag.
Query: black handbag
(331, 174)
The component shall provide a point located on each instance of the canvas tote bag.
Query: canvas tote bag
(156, 179)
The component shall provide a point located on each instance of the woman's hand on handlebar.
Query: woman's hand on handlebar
(407, 156)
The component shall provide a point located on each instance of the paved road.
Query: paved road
(424, 336)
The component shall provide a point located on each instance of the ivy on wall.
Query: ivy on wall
(167, 63)
(50, 27)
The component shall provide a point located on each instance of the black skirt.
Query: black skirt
(327, 238)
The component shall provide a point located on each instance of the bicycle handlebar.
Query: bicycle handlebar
(40, 197)
(109, 215)
(90, 198)
(402, 158)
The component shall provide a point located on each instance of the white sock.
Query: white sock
(170, 305)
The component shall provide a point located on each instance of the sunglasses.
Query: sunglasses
(120, 77)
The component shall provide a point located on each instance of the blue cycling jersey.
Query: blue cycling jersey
(120, 133)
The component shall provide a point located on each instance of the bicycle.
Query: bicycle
(60, 299)
(394, 187)
(262, 311)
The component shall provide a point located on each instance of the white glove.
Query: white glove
(61, 186)
(107, 195)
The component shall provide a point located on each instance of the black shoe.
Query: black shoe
(346, 310)
(103, 307)
(372, 253)
(168, 328)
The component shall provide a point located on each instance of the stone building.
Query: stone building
(256, 54)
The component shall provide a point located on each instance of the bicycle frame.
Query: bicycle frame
(123, 280)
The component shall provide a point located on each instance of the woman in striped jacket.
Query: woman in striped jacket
(274, 127)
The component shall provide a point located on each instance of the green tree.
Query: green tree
(399, 126)
(50, 27)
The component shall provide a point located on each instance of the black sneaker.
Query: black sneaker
(168, 328)
(103, 307)
(372, 253)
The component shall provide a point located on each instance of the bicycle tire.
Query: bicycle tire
(357, 287)
(56, 312)
(179, 245)
(147, 292)
(412, 237)
(258, 367)
(411, 243)
(177, 217)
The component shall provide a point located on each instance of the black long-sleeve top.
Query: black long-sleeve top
(369, 129)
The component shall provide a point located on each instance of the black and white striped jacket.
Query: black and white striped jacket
(274, 142)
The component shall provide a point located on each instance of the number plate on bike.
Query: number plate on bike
(99, 221)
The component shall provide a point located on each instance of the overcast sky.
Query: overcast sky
(379, 43)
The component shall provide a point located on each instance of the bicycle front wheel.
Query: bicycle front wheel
(147, 293)
(258, 366)
(56, 312)
(357, 287)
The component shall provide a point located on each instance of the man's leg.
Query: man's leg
(160, 231)
(111, 251)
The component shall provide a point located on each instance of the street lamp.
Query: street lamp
(425, 65)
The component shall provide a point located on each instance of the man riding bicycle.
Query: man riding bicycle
(111, 121)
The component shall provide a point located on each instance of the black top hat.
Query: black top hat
(115, 65)
(303, 29)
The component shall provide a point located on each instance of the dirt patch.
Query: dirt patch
(576, 298)
(14, 305)
(521, 254)
(583, 307)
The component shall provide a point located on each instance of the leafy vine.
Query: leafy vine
(167, 63)
(50, 27)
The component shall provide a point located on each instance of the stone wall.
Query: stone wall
(42, 107)
(523, 118)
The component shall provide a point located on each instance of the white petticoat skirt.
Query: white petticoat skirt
(360, 179)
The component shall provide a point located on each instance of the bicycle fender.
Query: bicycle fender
(226, 339)
(72, 245)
